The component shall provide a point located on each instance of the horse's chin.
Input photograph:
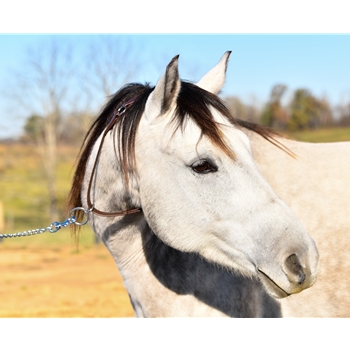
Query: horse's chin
(272, 287)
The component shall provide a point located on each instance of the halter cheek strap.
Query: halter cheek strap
(112, 122)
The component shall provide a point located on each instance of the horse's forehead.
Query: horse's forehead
(183, 139)
(191, 134)
(188, 135)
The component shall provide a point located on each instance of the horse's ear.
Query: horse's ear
(164, 96)
(214, 80)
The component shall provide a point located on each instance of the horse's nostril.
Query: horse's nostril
(294, 270)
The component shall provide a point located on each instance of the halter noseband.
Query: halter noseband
(110, 125)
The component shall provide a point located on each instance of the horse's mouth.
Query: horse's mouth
(272, 287)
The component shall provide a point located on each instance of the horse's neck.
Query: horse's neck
(315, 186)
(164, 282)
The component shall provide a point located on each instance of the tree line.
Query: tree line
(303, 111)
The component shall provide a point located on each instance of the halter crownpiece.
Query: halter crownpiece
(118, 112)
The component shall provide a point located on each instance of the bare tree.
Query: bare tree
(42, 88)
(110, 63)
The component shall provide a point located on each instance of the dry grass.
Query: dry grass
(61, 282)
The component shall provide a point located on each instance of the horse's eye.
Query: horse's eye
(203, 167)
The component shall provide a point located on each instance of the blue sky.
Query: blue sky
(320, 63)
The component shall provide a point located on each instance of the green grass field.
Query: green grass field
(322, 135)
(24, 197)
(23, 193)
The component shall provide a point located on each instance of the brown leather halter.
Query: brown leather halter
(112, 122)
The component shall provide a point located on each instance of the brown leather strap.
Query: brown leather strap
(112, 122)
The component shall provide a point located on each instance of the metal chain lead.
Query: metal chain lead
(54, 227)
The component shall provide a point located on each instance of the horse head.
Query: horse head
(179, 155)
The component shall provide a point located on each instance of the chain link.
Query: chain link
(54, 227)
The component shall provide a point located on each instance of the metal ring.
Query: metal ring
(86, 212)
(121, 109)
(53, 228)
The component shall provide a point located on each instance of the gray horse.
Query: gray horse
(176, 197)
